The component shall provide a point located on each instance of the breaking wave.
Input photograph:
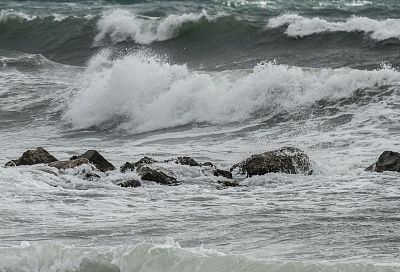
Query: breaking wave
(120, 25)
(299, 26)
(144, 93)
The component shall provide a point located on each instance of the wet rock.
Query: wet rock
(68, 164)
(388, 161)
(74, 157)
(31, 157)
(130, 183)
(290, 160)
(222, 173)
(129, 166)
(229, 183)
(208, 164)
(186, 161)
(156, 175)
(98, 160)
(91, 176)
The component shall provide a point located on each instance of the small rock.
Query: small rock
(98, 160)
(132, 166)
(156, 175)
(207, 164)
(186, 161)
(130, 183)
(288, 160)
(68, 164)
(388, 161)
(222, 173)
(74, 157)
(229, 183)
(31, 157)
(91, 176)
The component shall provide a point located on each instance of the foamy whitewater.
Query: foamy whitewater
(217, 81)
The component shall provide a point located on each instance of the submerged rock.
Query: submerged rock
(207, 164)
(388, 161)
(229, 183)
(69, 164)
(129, 166)
(156, 175)
(290, 160)
(186, 161)
(31, 157)
(222, 173)
(130, 183)
(98, 160)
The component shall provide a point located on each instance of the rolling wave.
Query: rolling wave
(299, 26)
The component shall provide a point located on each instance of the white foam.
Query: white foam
(120, 25)
(299, 26)
(7, 15)
(150, 94)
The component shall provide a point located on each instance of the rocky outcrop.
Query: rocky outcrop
(222, 173)
(130, 183)
(129, 166)
(186, 161)
(388, 161)
(31, 157)
(61, 165)
(98, 160)
(157, 175)
(290, 160)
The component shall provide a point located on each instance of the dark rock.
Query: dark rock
(186, 161)
(208, 164)
(229, 183)
(388, 161)
(130, 183)
(132, 166)
(156, 175)
(74, 157)
(222, 173)
(31, 157)
(288, 160)
(68, 164)
(98, 160)
(91, 176)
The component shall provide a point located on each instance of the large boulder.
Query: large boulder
(98, 160)
(157, 175)
(31, 157)
(388, 161)
(61, 165)
(130, 166)
(290, 160)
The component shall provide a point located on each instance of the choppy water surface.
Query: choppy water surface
(218, 81)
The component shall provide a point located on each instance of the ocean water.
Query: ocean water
(217, 80)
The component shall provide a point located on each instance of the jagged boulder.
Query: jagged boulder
(31, 157)
(186, 161)
(388, 161)
(290, 160)
(222, 173)
(61, 165)
(130, 166)
(98, 160)
(156, 175)
(130, 183)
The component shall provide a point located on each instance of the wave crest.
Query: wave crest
(299, 26)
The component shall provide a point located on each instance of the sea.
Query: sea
(216, 80)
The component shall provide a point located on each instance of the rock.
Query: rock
(98, 160)
(130, 183)
(31, 157)
(91, 176)
(388, 161)
(288, 160)
(131, 166)
(156, 175)
(222, 173)
(207, 164)
(74, 157)
(68, 164)
(229, 183)
(186, 161)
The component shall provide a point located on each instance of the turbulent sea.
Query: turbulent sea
(217, 80)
